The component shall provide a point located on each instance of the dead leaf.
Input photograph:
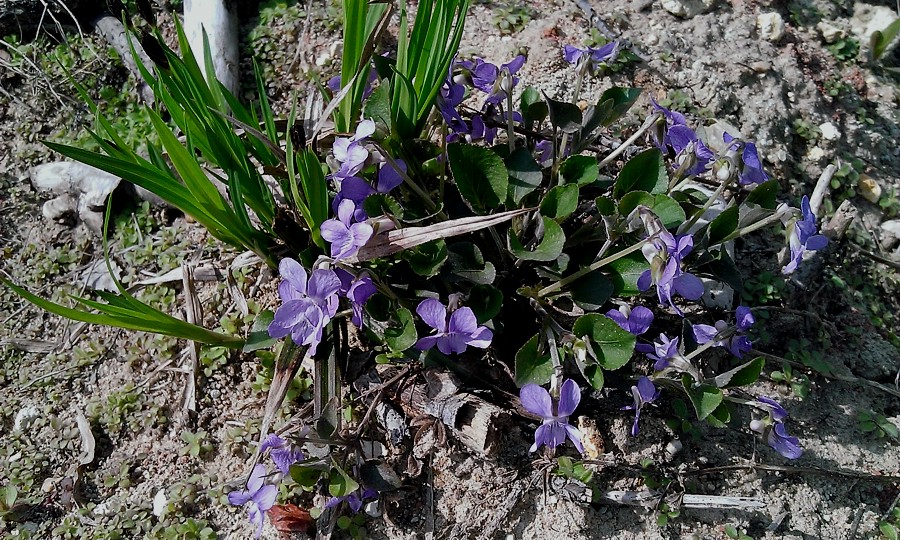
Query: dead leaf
(87, 440)
(290, 518)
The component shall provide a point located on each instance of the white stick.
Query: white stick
(709, 502)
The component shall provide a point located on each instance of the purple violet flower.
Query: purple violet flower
(691, 154)
(354, 500)
(344, 236)
(259, 495)
(749, 166)
(556, 427)
(670, 119)
(773, 430)
(803, 236)
(308, 305)
(664, 352)
(351, 153)
(283, 453)
(594, 55)
(665, 254)
(644, 392)
(454, 335)
(493, 80)
(357, 190)
(358, 290)
(734, 340)
(636, 320)
(449, 98)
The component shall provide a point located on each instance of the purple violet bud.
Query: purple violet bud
(555, 427)
(259, 497)
(803, 236)
(354, 500)
(454, 335)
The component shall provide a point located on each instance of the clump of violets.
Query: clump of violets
(258, 497)
(453, 331)
(803, 236)
(643, 392)
(665, 253)
(309, 304)
(555, 427)
(282, 452)
(772, 428)
(734, 339)
(354, 500)
(344, 234)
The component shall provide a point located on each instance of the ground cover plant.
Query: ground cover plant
(438, 220)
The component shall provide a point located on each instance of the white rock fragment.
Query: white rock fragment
(829, 131)
(25, 417)
(868, 18)
(890, 233)
(770, 25)
(815, 153)
(160, 501)
(869, 188)
(686, 8)
(830, 32)
(80, 188)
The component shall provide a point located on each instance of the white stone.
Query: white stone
(770, 25)
(890, 233)
(869, 188)
(25, 417)
(829, 131)
(686, 8)
(830, 33)
(815, 154)
(160, 501)
(868, 18)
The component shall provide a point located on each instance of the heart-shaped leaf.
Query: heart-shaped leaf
(480, 175)
(531, 366)
(549, 248)
(644, 172)
(612, 345)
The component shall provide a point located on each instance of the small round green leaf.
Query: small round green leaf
(612, 345)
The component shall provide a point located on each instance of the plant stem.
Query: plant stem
(590, 268)
(510, 124)
(709, 202)
(622, 147)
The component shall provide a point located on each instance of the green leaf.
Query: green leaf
(305, 475)
(723, 225)
(560, 202)
(548, 249)
(340, 484)
(564, 116)
(533, 108)
(524, 175)
(615, 102)
(612, 345)
(666, 208)
(743, 375)
(764, 195)
(378, 106)
(592, 291)
(881, 39)
(625, 272)
(724, 268)
(644, 172)
(485, 301)
(258, 338)
(531, 366)
(581, 170)
(402, 334)
(593, 375)
(427, 259)
(480, 175)
(705, 397)
(467, 262)
(606, 206)
(888, 530)
(382, 204)
(720, 417)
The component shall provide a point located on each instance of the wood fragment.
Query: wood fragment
(651, 499)
(116, 35)
(474, 422)
(193, 315)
